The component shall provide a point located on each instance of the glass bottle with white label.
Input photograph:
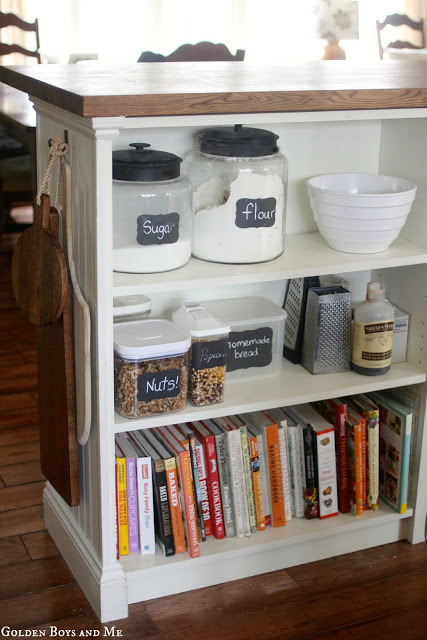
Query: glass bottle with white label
(239, 181)
(152, 217)
(373, 332)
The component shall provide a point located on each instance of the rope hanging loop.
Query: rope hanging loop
(58, 150)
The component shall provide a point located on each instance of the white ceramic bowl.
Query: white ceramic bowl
(360, 212)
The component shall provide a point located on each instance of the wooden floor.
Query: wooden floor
(374, 594)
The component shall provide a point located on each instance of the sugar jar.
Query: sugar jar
(152, 216)
(239, 181)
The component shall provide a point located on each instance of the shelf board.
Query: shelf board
(298, 541)
(293, 385)
(305, 255)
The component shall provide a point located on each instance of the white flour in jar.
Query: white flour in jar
(216, 236)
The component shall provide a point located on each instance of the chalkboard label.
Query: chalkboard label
(206, 355)
(160, 384)
(255, 212)
(157, 229)
(251, 348)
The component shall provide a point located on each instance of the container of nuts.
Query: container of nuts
(207, 355)
(150, 368)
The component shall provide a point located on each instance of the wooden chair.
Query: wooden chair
(15, 163)
(400, 20)
(200, 52)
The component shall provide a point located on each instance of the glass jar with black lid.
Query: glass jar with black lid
(239, 180)
(152, 216)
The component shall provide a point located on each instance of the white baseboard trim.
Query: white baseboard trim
(104, 587)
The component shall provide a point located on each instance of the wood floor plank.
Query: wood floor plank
(12, 551)
(43, 606)
(32, 576)
(16, 435)
(410, 626)
(22, 473)
(19, 521)
(16, 454)
(174, 612)
(136, 627)
(356, 604)
(285, 622)
(16, 382)
(357, 568)
(13, 401)
(19, 417)
(24, 495)
(39, 545)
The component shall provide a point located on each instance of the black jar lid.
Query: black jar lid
(145, 165)
(238, 141)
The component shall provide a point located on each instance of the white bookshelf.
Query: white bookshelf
(390, 141)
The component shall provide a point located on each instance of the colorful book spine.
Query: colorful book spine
(311, 496)
(234, 475)
(225, 484)
(190, 506)
(297, 472)
(203, 479)
(123, 508)
(286, 479)
(370, 412)
(248, 477)
(117, 509)
(132, 504)
(242, 481)
(186, 431)
(335, 411)
(145, 505)
(271, 440)
(356, 458)
(175, 505)
(256, 482)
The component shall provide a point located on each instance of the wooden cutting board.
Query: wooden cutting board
(57, 398)
(39, 270)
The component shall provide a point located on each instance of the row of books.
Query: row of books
(233, 476)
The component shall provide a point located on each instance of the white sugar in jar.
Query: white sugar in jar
(239, 181)
(152, 217)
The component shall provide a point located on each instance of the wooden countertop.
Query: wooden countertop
(184, 88)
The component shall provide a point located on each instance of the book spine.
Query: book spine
(196, 484)
(275, 473)
(214, 490)
(404, 471)
(203, 479)
(310, 485)
(132, 503)
(263, 467)
(248, 478)
(145, 505)
(295, 459)
(287, 495)
(174, 505)
(364, 465)
(234, 474)
(242, 483)
(225, 484)
(326, 469)
(117, 510)
(123, 508)
(372, 468)
(342, 459)
(355, 446)
(256, 482)
(163, 521)
(189, 505)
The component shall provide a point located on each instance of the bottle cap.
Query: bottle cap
(375, 291)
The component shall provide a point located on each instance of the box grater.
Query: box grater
(295, 303)
(327, 330)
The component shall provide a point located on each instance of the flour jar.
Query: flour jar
(152, 215)
(239, 181)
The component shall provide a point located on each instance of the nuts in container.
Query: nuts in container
(207, 355)
(150, 368)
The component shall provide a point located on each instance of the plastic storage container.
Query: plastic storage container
(150, 367)
(152, 216)
(130, 308)
(239, 181)
(373, 332)
(208, 353)
(255, 342)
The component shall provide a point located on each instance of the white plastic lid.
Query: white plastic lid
(129, 305)
(375, 291)
(197, 321)
(145, 339)
(245, 310)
